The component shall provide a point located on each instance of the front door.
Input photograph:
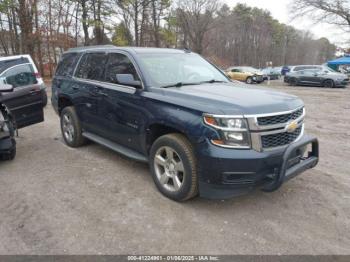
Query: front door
(122, 111)
(25, 102)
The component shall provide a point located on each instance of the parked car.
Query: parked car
(21, 71)
(17, 110)
(246, 74)
(297, 68)
(271, 73)
(316, 77)
(199, 132)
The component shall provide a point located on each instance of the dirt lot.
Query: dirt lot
(58, 200)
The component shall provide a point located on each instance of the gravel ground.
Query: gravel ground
(58, 200)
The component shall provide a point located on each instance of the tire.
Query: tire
(71, 127)
(9, 156)
(329, 83)
(249, 80)
(174, 153)
(44, 98)
(293, 82)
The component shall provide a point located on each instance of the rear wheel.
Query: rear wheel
(249, 80)
(173, 167)
(328, 83)
(71, 127)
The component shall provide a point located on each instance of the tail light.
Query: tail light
(37, 75)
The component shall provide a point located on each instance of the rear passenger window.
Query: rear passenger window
(92, 66)
(21, 75)
(119, 64)
(67, 64)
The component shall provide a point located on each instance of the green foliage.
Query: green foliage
(121, 35)
(168, 37)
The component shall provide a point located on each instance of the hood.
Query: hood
(229, 99)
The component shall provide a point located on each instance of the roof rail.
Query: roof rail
(83, 48)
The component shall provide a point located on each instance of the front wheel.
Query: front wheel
(328, 83)
(173, 167)
(249, 80)
(293, 82)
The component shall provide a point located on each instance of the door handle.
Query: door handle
(75, 87)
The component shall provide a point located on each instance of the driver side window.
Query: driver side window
(21, 75)
(119, 64)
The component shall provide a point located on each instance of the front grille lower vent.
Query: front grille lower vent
(280, 139)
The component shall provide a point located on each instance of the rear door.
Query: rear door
(89, 102)
(25, 102)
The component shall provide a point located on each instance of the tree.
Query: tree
(122, 35)
(196, 19)
(336, 12)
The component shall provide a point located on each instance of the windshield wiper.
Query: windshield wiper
(180, 84)
(213, 81)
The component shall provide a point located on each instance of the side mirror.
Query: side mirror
(5, 88)
(128, 80)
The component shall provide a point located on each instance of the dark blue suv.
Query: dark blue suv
(199, 132)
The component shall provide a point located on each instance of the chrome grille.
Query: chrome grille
(280, 139)
(280, 119)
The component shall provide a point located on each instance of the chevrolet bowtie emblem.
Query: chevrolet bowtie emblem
(292, 126)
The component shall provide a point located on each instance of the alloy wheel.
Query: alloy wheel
(68, 128)
(169, 169)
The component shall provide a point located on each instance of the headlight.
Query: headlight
(233, 131)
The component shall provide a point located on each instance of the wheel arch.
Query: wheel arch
(156, 130)
(63, 101)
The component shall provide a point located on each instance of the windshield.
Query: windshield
(185, 68)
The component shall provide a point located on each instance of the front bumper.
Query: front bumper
(226, 173)
(341, 83)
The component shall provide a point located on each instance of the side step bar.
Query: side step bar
(115, 147)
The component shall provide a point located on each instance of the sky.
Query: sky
(279, 10)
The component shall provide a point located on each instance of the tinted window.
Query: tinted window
(298, 68)
(21, 75)
(67, 64)
(119, 64)
(92, 66)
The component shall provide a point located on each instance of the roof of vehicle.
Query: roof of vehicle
(305, 65)
(3, 58)
(130, 49)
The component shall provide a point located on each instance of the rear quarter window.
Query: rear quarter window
(67, 64)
